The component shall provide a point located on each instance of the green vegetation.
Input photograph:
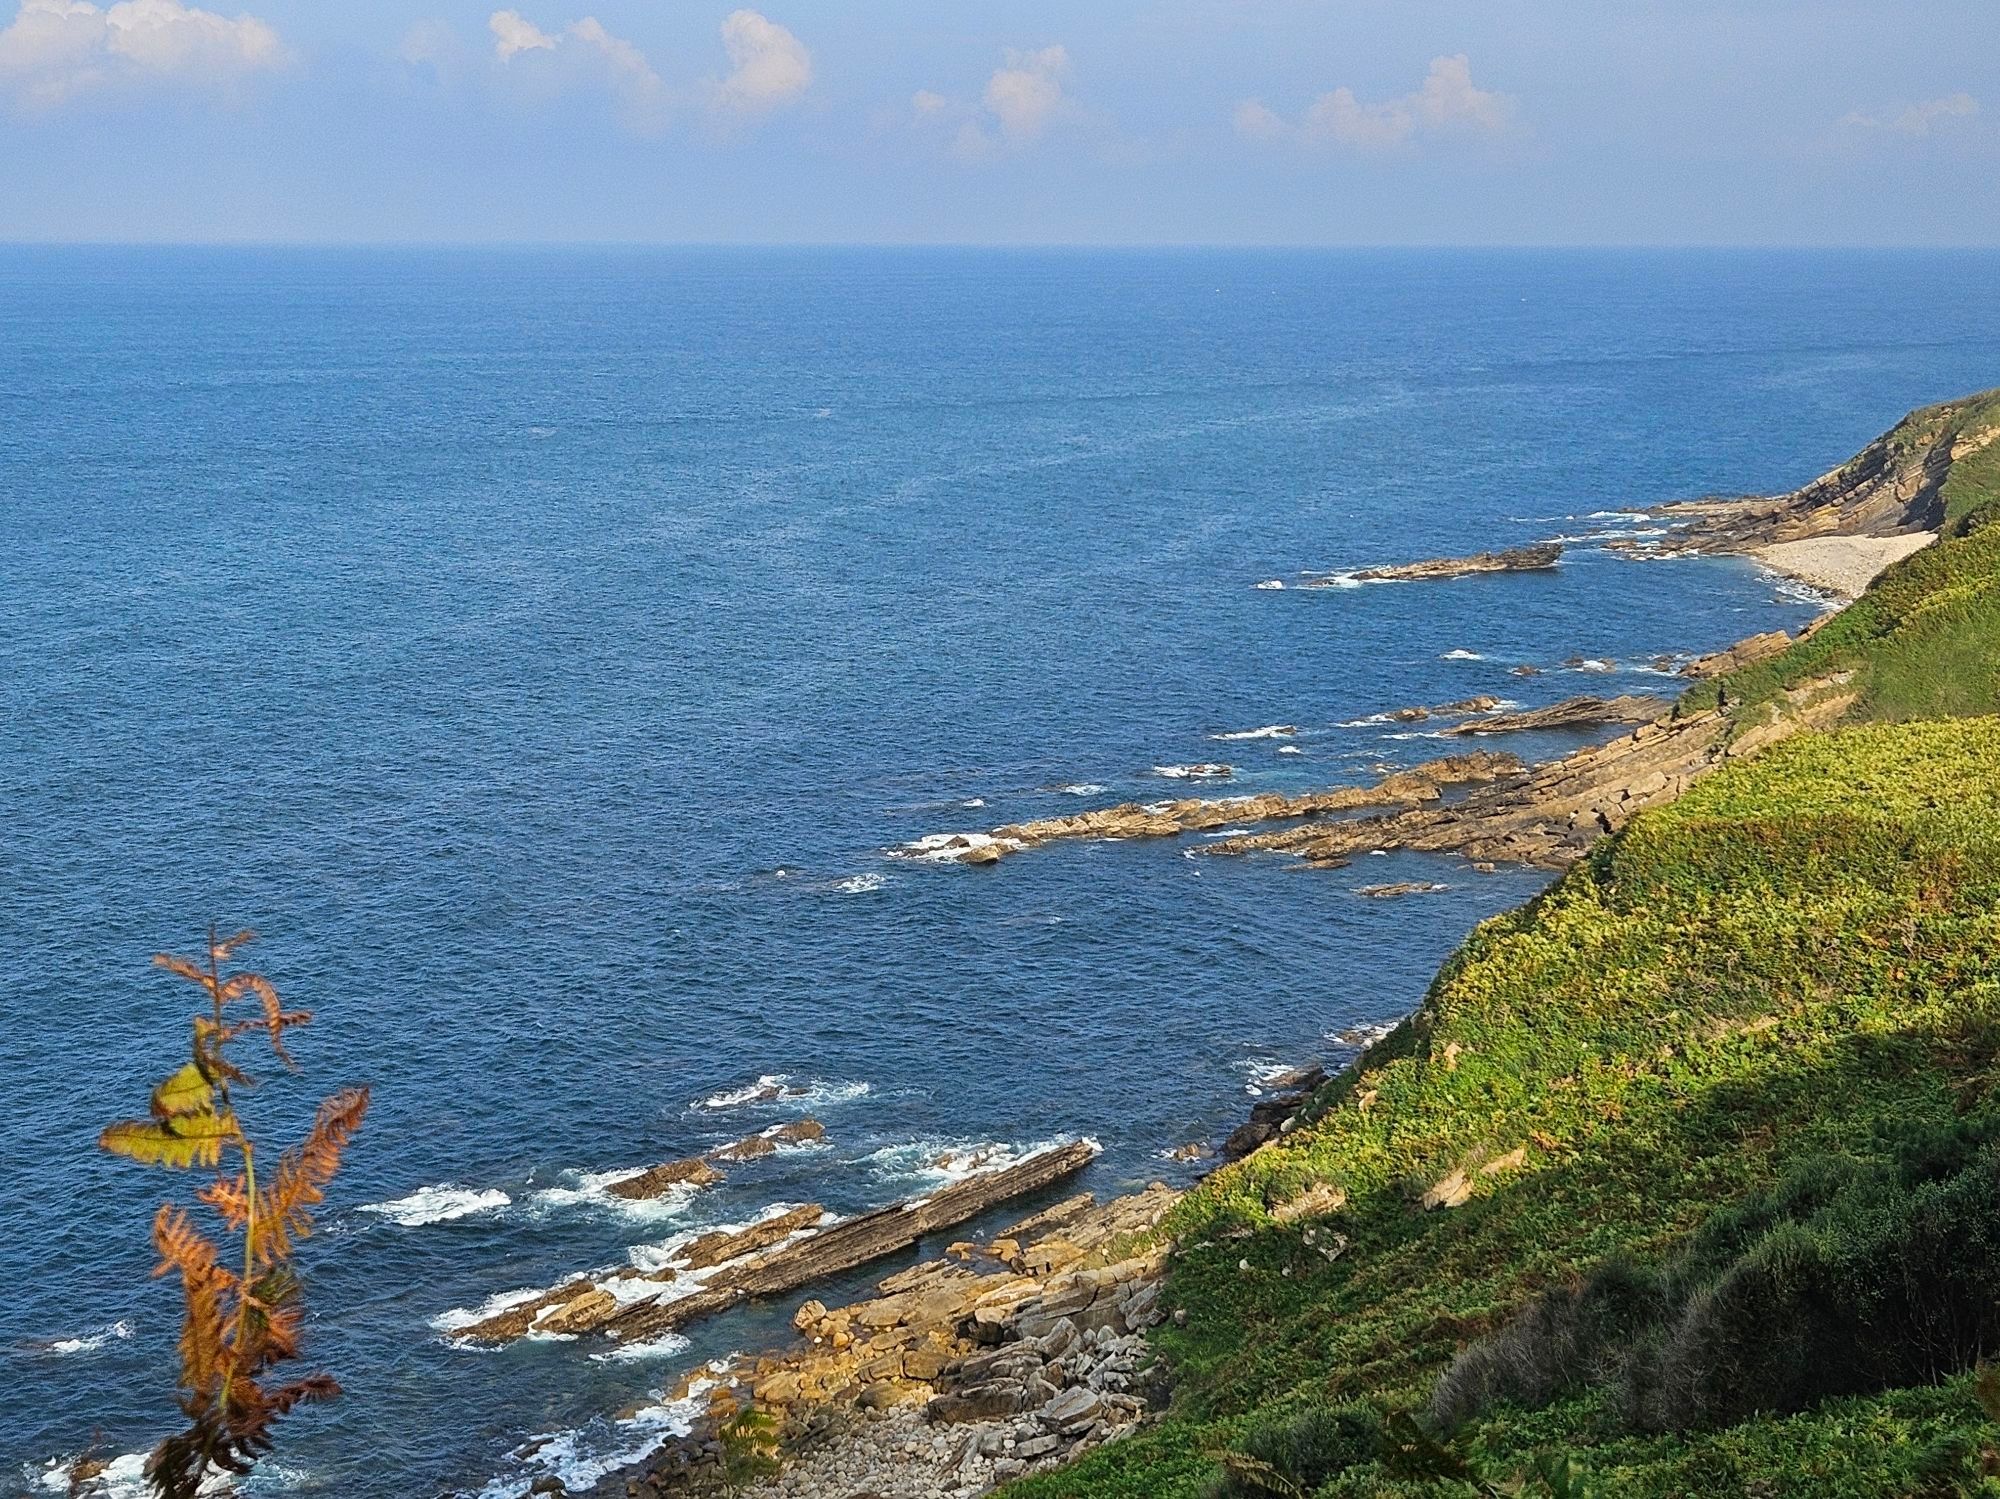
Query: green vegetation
(1800, 959)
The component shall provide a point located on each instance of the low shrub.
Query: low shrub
(1850, 1277)
(1293, 1455)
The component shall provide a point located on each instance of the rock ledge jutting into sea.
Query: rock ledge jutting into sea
(1535, 558)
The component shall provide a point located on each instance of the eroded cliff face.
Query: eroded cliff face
(1896, 486)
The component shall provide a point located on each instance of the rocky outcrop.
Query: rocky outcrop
(1551, 815)
(1401, 889)
(787, 1249)
(1744, 653)
(1570, 713)
(1893, 487)
(1463, 708)
(660, 1180)
(1269, 1117)
(1413, 787)
(1513, 560)
(957, 1373)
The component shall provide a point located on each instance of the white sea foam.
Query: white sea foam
(438, 1204)
(90, 1342)
(1081, 788)
(461, 1317)
(1269, 731)
(1618, 515)
(591, 1190)
(583, 1456)
(1595, 664)
(666, 1345)
(1290, 749)
(935, 1161)
(124, 1477)
(860, 884)
(779, 1088)
(1271, 584)
(977, 801)
(1261, 1074)
(949, 848)
(1362, 1036)
(1194, 772)
(1231, 833)
(1461, 655)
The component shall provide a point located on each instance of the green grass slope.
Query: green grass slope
(1802, 956)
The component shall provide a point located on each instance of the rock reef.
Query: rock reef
(1533, 558)
(788, 1248)
(1551, 815)
(1420, 784)
(1570, 713)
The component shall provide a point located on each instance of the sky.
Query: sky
(1319, 122)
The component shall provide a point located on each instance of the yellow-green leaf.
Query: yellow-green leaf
(186, 1092)
(187, 1140)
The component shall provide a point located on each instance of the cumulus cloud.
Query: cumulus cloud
(55, 49)
(1447, 103)
(1024, 96)
(586, 56)
(513, 33)
(1917, 120)
(769, 66)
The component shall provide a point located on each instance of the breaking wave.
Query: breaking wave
(1269, 731)
(438, 1204)
(780, 1088)
(90, 1342)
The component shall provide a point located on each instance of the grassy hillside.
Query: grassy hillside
(1708, 1132)
(1802, 956)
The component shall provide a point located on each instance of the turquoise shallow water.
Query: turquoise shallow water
(544, 650)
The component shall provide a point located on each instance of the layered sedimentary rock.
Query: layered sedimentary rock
(785, 1250)
(1892, 487)
(1422, 783)
(1744, 653)
(1570, 713)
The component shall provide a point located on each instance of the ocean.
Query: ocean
(548, 651)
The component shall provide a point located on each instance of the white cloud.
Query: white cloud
(54, 49)
(1448, 102)
(769, 66)
(1920, 119)
(586, 56)
(513, 33)
(1259, 122)
(1027, 93)
(1024, 96)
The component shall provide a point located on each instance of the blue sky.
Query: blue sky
(1107, 121)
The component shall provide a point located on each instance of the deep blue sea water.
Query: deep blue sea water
(543, 651)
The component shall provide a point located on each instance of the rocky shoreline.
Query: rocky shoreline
(1005, 1357)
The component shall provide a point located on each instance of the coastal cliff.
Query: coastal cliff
(1771, 968)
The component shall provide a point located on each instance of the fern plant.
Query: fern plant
(239, 1325)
